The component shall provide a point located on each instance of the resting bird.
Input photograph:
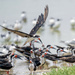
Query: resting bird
(72, 22)
(23, 16)
(31, 36)
(34, 21)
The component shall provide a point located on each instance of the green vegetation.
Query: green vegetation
(62, 71)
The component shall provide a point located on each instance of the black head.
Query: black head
(48, 46)
(35, 19)
(4, 21)
(4, 46)
(23, 12)
(9, 32)
(12, 45)
(58, 19)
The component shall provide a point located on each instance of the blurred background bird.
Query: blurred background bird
(23, 17)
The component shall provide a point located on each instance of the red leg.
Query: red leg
(7, 72)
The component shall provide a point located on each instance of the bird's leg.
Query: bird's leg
(7, 72)
(32, 72)
(54, 63)
(69, 64)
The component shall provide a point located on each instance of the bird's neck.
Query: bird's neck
(13, 61)
(32, 55)
(58, 53)
(73, 52)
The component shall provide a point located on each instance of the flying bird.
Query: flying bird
(31, 36)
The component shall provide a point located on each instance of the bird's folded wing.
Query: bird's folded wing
(22, 34)
(59, 47)
(41, 20)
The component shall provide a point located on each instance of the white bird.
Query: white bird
(4, 50)
(12, 48)
(31, 66)
(54, 24)
(6, 37)
(18, 39)
(4, 23)
(17, 25)
(34, 21)
(72, 22)
(51, 21)
(57, 24)
(23, 16)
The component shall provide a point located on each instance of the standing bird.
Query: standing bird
(57, 24)
(4, 23)
(34, 21)
(17, 25)
(54, 24)
(70, 59)
(23, 16)
(18, 39)
(72, 22)
(31, 36)
(7, 64)
(32, 67)
(51, 22)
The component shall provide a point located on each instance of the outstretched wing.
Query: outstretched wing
(18, 32)
(46, 13)
(41, 20)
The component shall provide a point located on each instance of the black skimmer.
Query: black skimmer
(32, 53)
(58, 55)
(32, 66)
(41, 20)
(70, 59)
(36, 60)
(50, 57)
(42, 59)
(7, 64)
(48, 47)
